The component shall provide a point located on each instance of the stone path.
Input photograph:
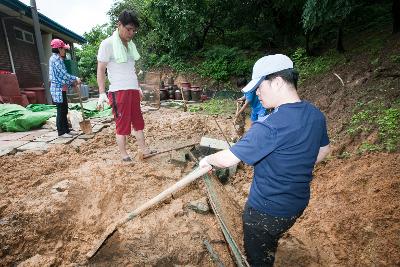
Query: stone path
(42, 139)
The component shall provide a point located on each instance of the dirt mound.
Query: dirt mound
(364, 81)
(53, 207)
(353, 217)
(56, 205)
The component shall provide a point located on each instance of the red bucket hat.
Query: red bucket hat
(57, 43)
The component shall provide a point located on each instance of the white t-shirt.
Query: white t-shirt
(122, 76)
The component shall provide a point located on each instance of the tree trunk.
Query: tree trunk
(202, 38)
(396, 16)
(308, 49)
(339, 44)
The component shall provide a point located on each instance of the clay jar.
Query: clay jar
(163, 94)
(195, 93)
(185, 85)
(186, 90)
(171, 92)
(178, 94)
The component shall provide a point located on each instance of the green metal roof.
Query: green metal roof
(19, 6)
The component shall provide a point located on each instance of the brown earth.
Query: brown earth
(54, 206)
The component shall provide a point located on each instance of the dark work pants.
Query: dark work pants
(261, 235)
(62, 111)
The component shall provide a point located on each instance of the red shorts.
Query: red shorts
(127, 112)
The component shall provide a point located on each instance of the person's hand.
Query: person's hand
(78, 80)
(204, 163)
(102, 99)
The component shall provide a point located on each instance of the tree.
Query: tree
(323, 15)
(396, 16)
(87, 55)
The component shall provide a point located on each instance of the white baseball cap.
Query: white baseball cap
(265, 66)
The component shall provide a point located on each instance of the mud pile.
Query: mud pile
(53, 207)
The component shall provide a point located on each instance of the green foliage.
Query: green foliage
(389, 127)
(221, 39)
(221, 62)
(395, 58)
(344, 155)
(367, 147)
(375, 116)
(215, 107)
(367, 15)
(309, 66)
(87, 56)
(318, 13)
(375, 62)
(373, 45)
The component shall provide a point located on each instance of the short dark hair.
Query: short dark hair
(289, 75)
(129, 17)
(241, 82)
(55, 50)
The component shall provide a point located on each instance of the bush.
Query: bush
(309, 66)
(371, 116)
(222, 62)
(219, 63)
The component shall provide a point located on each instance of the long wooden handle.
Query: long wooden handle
(172, 149)
(180, 184)
(78, 87)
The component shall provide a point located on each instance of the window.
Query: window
(24, 35)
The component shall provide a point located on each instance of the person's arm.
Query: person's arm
(101, 81)
(323, 152)
(222, 159)
(101, 76)
(63, 75)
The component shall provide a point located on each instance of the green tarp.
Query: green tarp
(90, 110)
(15, 118)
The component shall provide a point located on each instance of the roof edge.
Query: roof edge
(19, 6)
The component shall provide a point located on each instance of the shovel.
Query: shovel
(85, 125)
(198, 172)
(184, 101)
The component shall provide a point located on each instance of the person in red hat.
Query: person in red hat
(59, 82)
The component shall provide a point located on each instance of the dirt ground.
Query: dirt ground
(54, 206)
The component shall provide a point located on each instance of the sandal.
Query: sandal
(127, 159)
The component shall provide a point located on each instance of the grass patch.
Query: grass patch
(372, 45)
(375, 115)
(395, 58)
(215, 106)
(367, 147)
(309, 66)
